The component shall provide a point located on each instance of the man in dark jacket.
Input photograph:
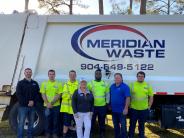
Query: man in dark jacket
(27, 92)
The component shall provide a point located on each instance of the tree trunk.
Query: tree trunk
(26, 5)
(143, 7)
(130, 7)
(169, 6)
(71, 7)
(101, 11)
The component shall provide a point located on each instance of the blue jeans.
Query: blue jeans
(24, 112)
(119, 121)
(140, 116)
(101, 112)
(52, 120)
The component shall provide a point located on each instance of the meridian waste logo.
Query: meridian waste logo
(114, 42)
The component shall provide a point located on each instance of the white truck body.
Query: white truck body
(47, 45)
(125, 44)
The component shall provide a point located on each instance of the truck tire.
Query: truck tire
(38, 124)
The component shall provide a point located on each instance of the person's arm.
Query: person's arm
(92, 106)
(58, 95)
(109, 104)
(34, 95)
(150, 98)
(19, 94)
(55, 99)
(38, 97)
(44, 96)
(150, 101)
(92, 103)
(74, 102)
(66, 94)
(89, 86)
(127, 102)
(107, 95)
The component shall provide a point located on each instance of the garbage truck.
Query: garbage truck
(125, 44)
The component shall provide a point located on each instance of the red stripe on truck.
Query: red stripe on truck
(161, 93)
(179, 93)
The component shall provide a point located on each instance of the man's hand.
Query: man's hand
(49, 105)
(31, 103)
(125, 111)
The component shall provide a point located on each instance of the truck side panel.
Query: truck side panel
(11, 28)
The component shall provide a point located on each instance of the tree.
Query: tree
(130, 7)
(101, 7)
(60, 6)
(143, 4)
(166, 7)
(26, 5)
(118, 7)
(143, 7)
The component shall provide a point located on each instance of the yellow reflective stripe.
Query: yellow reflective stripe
(67, 104)
(65, 92)
(139, 99)
(99, 96)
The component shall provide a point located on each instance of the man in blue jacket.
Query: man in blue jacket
(119, 102)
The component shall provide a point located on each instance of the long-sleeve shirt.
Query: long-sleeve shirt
(27, 91)
(81, 102)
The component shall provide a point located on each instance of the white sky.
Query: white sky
(7, 6)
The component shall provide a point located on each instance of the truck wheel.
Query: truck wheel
(38, 124)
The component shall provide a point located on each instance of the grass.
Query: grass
(152, 131)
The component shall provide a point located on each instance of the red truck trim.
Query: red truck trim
(161, 93)
(179, 93)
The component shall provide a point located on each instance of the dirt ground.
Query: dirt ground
(152, 131)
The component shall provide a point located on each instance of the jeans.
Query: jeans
(23, 113)
(119, 121)
(101, 112)
(83, 118)
(140, 116)
(52, 120)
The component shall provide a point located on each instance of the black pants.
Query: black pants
(140, 116)
(100, 112)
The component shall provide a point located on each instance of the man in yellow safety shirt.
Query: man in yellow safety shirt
(100, 91)
(51, 92)
(141, 101)
(66, 106)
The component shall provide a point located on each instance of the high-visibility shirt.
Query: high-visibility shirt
(140, 93)
(100, 92)
(51, 89)
(68, 90)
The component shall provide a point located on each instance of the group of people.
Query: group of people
(81, 102)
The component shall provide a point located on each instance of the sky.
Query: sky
(8, 6)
